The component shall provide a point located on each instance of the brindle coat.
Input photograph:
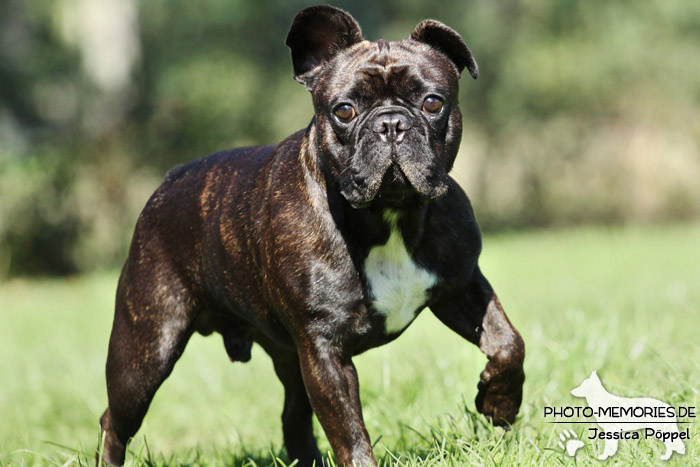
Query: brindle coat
(268, 244)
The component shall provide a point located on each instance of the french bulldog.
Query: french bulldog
(321, 247)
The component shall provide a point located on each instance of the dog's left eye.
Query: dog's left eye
(432, 105)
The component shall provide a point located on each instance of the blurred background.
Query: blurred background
(585, 112)
(580, 151)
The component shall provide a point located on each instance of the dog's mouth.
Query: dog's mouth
(394, 179)
(394, 188)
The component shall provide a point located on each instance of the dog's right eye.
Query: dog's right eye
(344, 112)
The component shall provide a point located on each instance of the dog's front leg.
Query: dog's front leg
(331, 382)
(609, 449)
(475, 313)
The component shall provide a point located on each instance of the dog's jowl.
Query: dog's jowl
(321, 247)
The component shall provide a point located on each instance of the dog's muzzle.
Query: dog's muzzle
(391, 126)
(392, 161)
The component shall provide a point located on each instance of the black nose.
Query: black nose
(391, 127)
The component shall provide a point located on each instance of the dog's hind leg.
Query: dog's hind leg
(673, 446)
(152, 324)
(475, 313)
(297, 423)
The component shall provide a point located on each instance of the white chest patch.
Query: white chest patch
(398, 285)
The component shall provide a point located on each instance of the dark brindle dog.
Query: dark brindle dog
(321, 247)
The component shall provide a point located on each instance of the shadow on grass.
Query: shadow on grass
(453, 440)
(144, 457)
(273, 457)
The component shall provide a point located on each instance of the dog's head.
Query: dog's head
(588, 386)
(387, 119)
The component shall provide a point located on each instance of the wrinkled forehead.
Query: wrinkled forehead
(392, 67)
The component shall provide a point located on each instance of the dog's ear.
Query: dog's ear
(594, 375)
(317, 34)
(447, 41)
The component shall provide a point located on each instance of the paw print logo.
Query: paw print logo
(569, 443)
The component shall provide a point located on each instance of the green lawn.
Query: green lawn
(624, 301)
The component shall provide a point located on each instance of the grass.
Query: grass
(624, 301)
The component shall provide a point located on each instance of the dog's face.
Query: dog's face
(388, 124)
(587, 386)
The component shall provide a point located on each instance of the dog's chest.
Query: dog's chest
(398, 286)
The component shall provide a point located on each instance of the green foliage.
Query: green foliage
(584, 111)
(620, 301)
(37, 217)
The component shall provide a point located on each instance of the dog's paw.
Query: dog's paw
(500, 395)
(569, 443)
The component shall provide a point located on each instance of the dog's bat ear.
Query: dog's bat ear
(317, 34)
(447, 41)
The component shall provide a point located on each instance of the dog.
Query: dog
(321, 247)
(614, 426)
